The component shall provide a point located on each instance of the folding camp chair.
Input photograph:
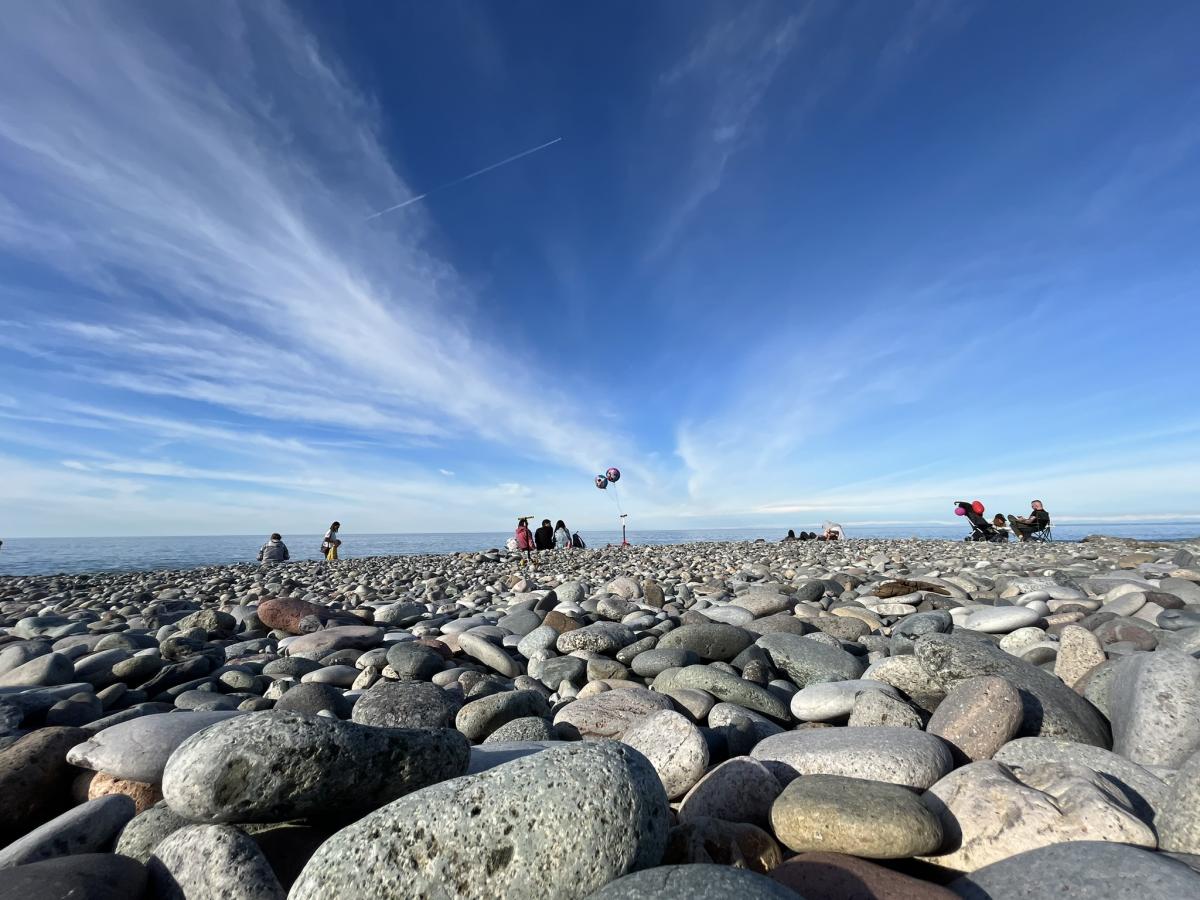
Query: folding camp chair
(1041, 535)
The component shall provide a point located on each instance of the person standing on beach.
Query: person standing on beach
(274, 550)
(524, 539)
(562, 535)
(329, 546)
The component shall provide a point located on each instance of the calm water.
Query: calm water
(34, 556)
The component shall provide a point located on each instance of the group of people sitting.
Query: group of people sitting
(1036, 525)
(831, 531)
(547, 537)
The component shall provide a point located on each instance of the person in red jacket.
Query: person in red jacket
(524, 538)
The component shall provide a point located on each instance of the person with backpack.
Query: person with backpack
(562, 535)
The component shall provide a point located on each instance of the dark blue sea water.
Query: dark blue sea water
(36, 556)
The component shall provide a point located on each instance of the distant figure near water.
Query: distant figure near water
(790, 536)
(329, 546)
(274, 550)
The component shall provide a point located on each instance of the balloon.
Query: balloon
(601, 482)
(613, 474)
(959, 511)
(977, 505)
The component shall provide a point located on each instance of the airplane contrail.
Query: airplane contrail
(503, 162)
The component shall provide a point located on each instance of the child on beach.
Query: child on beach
(524, 539)
(274, 550)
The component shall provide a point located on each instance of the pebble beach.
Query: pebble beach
(888, 719)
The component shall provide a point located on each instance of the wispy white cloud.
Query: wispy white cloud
(732, 66)
(218, 261)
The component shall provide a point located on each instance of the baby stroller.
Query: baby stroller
(981, 528)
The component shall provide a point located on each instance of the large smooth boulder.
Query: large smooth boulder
(807, 661)
(276, 766)
(1049, 706)
(674, 746)
(979, 716)
(35, 779)
(560, 823)
(713, 641)
(406, 704)
(895, 755)
(138, 750)
(610, 714)
(990, 812)
(855, 816)
(1154, 701)
(741, 789)
(1144, 792)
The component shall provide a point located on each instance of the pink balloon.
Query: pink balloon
(959, 511)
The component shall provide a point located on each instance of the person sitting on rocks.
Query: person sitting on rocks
(274, 550)
(543, 538)
(1037, 520)
(1001, 525)
(790, 536)
(562, 535)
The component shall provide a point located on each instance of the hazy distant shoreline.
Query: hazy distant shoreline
(49, 556)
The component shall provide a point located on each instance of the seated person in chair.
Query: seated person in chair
(1037, 520)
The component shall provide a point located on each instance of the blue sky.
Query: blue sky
(788, 262)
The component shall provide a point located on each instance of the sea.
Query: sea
(47, 556)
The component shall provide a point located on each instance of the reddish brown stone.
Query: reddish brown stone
(142, 794)
(834, 876)
(286, 613)
(561, 622)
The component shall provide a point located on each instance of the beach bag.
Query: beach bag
(577, 542)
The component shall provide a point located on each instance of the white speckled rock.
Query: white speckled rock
(1079, 651)
(211, 861)
(990, 813)
(674, 746)
(557, 824)
(1154, 702)
(834, 699)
